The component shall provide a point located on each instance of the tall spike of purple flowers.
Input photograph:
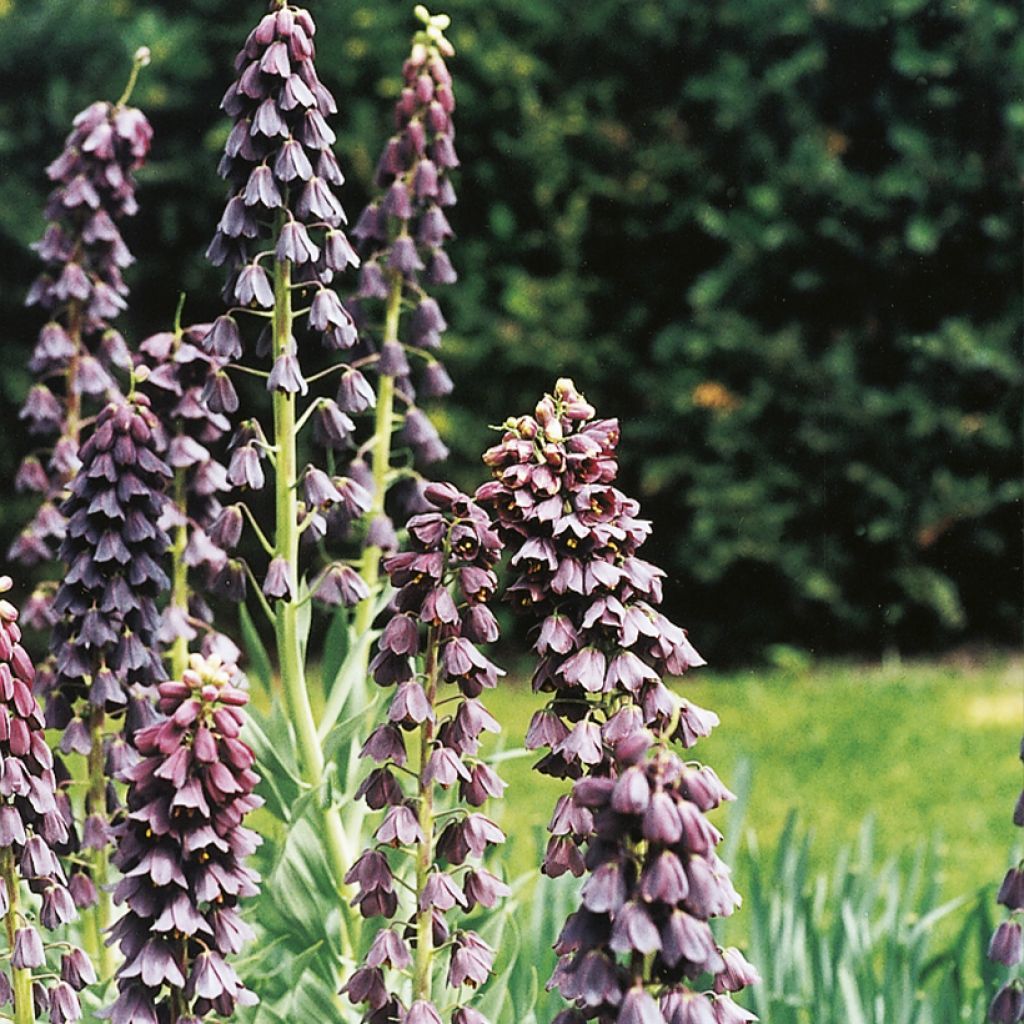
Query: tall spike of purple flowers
(282, 232)
(403, 231)
(32, 829)
(182, 850)
(1007, 945)
(444, 582)
(635, 822)
(81, 290)
(179, 371)
(282, 172)
(106, 659)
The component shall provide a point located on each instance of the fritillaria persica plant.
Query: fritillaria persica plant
(634, 823)
(377, 815)
(106, 661)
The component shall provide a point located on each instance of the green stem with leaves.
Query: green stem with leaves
(290, 645)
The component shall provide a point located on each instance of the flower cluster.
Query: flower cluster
(282, 172)
(635, 821)
(104, 642)
(81, 291)
(179, 371)
(402, 233)
(1007, 945)
(182, 850)
(575, 539)
(105, 656)
(444, 582)
(32, 829)
(641, 938)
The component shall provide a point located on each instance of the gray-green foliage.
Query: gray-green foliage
(780, 239)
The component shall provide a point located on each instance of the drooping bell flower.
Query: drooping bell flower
(81, 291)
(32, 831)
(181, 849)
(639, 950)
(444, 581)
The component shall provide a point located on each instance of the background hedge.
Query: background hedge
(781, 240)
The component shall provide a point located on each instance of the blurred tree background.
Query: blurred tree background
(781, 240)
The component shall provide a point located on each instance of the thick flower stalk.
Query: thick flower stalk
(104, 646)
(639, 951)
(81, 290)
(1007, 945)
(179, 372)
(428, 846)
(32, 830)
(182, 849)
(281, 238)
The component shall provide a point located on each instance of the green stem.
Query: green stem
(289, 644)
(179, 585)
(99, 916)
(424, 918)
(72, 396)
(139, 61)
(24, 1007)
(380, 458)
(380, 462)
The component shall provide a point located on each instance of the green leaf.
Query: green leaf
(336, 646)
(259, 661)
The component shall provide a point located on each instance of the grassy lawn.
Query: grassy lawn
(929, 749)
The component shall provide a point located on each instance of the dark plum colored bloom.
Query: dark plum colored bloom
(446, 572)
(104, 645)
(80, 290)
(114, 551)
(182, 849)
(634, 821)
